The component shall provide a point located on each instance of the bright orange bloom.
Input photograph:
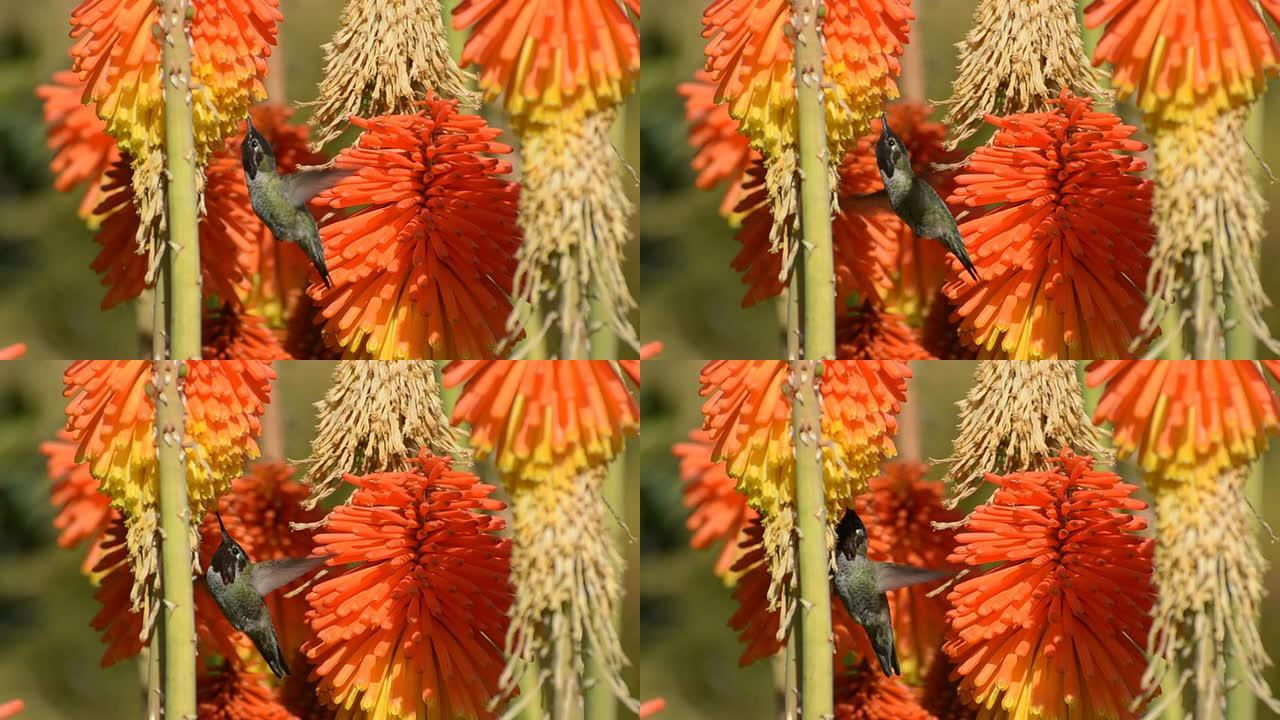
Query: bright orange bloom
(82, 149)
(877, 257)
(110, 417)
(1056, 628)
(231, 692)
(11, 709)
(721, 151)
(304, 333)
(649, 708)
(552, 60)
(648, 351)
(545, 420)
(117, 56)
(940, 336)
(750, 59)
(718, 512)
(1185, 59)
(1059, 229)
(13, 352)
(748, 417)
(869, 333)
(864, 693)
(84, 511)
(425, 267)
(229, 335)
(1186, 420)
(421, 617)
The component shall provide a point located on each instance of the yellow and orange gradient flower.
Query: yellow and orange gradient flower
(117, 55)
(747, 414)
(545, 421)
(84, 511)
(553, 61)
(1059, 228)
(1055, 628)
(718, 512)
(425, 267)
(414, 628)
(1186, 421)
(1187, 60)
(82, 149)
(721, 152)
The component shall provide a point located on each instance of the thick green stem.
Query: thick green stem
(183, 244)
(160, 316)
(795, 291)
(813, 615)
(178, 610)
(815, 187)
(1171, 692)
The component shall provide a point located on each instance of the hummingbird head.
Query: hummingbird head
(230, 558)
(255, 152)
(851, 535)
(891, 152)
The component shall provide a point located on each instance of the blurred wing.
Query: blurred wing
(892, 576)
(271, 574)
(306, 184)
(866, 202)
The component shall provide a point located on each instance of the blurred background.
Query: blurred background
(49, 654)
(692, 297)
(45, 250)
(689, 654)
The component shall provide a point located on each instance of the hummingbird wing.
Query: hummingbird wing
(271, 574)
(892, 576)
(303, 185)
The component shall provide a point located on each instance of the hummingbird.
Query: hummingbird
(238, 586)
(862, 586)
(914, 200)
(281, 200)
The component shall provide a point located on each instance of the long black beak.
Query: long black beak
(224, 527)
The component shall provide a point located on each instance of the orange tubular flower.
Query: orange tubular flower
(11, 709)
(230, 692)
(748, 417)
(1187, 59)
(721, 152)
(717, 511)
(1186, 420)
(1056, 628)
(13, 352)
(425, 267)
(1059, 230)
(82, 149)
(230, 335)
(552, 60)
(84, 512)
(419, 621)
(544, 420)
(864, 693)
(869, 333)
(749, 58)
(649, 708)
(117, 56)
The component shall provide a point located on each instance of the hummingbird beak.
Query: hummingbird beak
(224, 527)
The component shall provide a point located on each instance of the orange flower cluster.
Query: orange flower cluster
(82, 149)
(1056, 628)
(229, 334)
(877, 257)
(747, 414)
(1059, 229)
(230, 692)
(717, 511)
(864, 693)
(545, 421)
(1187, 59)
(84, 511)
(869, 333)
(553, 60)
(1186, 420)
(425, 267)
(721, 151)
(750, 60)
(419, 619)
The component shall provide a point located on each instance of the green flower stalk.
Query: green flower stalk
(178, 610)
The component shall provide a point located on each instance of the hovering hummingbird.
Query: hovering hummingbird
(281, 200)
(862, 584)
(238, 586)
(914, 200)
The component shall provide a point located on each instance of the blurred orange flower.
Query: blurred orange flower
(1186, 420)
(552, 60)
(231, 692)
(84, 511)
(1187, 59)
(721, 152)
(1056, 628)
(717, 511)
(864, 693)
(417, 623)
(229, 334)
(649, 708)
(425, 267)
(868, 333)
(1059, 228)
(13, 352)
(11, 709)
(545, 420)
(82, 149)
